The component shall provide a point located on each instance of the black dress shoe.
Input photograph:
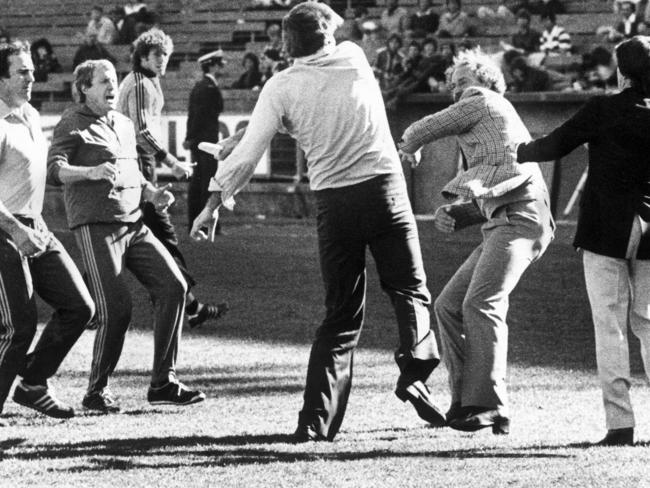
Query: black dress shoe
(306, 433)
(455, 412)
(618, 437)
(476, 418)
(420, 397)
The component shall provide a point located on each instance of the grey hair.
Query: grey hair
(483, 67)
(84, 74)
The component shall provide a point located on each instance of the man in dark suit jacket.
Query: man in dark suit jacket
(613, 223)
(206, 103)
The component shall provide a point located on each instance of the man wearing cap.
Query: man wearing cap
(331, 104)
(205, 105)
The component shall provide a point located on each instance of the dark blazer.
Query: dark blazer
(205, 105)
(616, 129)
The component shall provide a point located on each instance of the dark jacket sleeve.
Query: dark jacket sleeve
(206, 103)
(65, 142)
(579, 129)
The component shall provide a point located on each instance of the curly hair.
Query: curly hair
(153, 39)
(484, 68)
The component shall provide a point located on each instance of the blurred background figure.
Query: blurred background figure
(44, 60)
(251, 78)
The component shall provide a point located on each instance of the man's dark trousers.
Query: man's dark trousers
(159, 221)
(54, 276)
(197, 191)
(375, 214)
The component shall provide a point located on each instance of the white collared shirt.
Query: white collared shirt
(23, 154)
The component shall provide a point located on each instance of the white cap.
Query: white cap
(218, 54)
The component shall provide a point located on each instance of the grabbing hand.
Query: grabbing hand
(409, 158)
(29, 241)
(162, 197)
(205, 225)
(443, 221)
(104, 171)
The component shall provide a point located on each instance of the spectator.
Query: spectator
(526, 78)
(271, 63)
(101, 27)
(270, 4)
(424, 21)
(124, 24)
(554, 39)
(252, 76)
(393, 18)
(5, 38)
(371, 42)
(274, 33)
(525, 39)
(544, 7)
(350, 30)
(389, 63)
(454, 22)
(441, 62)
(627, 26)
(600, 70)
(422, 65)
(144, 20)
(91, 49)
(505, 11)
(44, 60)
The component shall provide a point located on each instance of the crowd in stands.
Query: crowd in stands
(408, 47)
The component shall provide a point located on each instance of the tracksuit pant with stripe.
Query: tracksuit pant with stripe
(108, 250)
(56, 279)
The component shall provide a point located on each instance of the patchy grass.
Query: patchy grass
(252, 368)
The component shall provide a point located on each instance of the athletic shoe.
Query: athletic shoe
(207, 312)
(174, 393)
(102, 402)
(41, 399)
(306, 433)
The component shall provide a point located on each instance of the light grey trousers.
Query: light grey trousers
(471, 310)
(619, 294)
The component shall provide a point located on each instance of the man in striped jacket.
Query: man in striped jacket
(141, 99)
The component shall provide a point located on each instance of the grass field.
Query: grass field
(252, 368)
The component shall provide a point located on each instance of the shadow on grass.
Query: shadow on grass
(237, 450)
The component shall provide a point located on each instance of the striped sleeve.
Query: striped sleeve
(564, 40)
(141, 110)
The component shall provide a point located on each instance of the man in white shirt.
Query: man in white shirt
(329, 101)
(31, 258)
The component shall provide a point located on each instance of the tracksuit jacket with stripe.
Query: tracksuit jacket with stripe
(82, 138)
